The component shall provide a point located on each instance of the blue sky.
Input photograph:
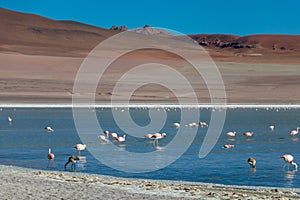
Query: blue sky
(189, 16)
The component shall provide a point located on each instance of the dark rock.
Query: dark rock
(119, 28)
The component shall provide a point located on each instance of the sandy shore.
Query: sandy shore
(50, 79)
(21, 183)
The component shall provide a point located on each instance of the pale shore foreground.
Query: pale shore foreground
(23, 183)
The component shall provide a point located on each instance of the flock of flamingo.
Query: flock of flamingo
(72, 159)
(289, 159)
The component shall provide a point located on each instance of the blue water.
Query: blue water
(25, 143)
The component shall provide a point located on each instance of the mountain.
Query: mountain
(265, 48)
(33, 34)
(148, 30)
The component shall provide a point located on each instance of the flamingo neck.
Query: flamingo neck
(294, 164)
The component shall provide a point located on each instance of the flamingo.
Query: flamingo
(121, 138)
(231, 133)
(228, 146)
(272, 127)
(103, 138)
(294, 132)
(72, 159)
(252, 162)
(149, 135)
(50, 154)
(193, 124)
(176, 125)
(9, 119)
(158, 136)
(289, 159)
(203, 124)
(80, 147)
(106, 133)
(49, 129)
(113, 135)
(248, 134)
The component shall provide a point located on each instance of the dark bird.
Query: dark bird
(252, 162)
(72, 159)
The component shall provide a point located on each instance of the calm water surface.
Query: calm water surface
(25, 143)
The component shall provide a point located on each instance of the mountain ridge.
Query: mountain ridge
(34, 34)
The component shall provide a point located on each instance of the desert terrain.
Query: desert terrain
(40, 58)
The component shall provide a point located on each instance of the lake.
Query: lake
(24, 142)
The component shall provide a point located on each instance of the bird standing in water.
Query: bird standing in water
(80, 147)
(252, 162)
(48, 129)
(50, 156)
(289, 159)
(72, 159)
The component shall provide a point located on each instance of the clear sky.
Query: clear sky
(239, 17)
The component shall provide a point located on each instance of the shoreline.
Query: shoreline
(26, 183)
(149, 105)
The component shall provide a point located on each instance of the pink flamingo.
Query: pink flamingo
(248, 134)
(228, 146)
(149, 135)
(113, 135)
(80, 147)
(158, 136)
(50, 155)
(231, 133)
(294, 132)
(289, 159)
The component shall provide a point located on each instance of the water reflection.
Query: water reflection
(289, 177)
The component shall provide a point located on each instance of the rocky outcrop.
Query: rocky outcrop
(148, 30)
(224, 41)
(118, 28)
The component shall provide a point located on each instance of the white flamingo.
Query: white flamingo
(49, 129)
(231, 133)
(103, 138)
(121, 138)
(193, 124)
(176, 125)
(80, 147)
(294, 132)
(289, 159)
(9, 119)
(203, 124)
